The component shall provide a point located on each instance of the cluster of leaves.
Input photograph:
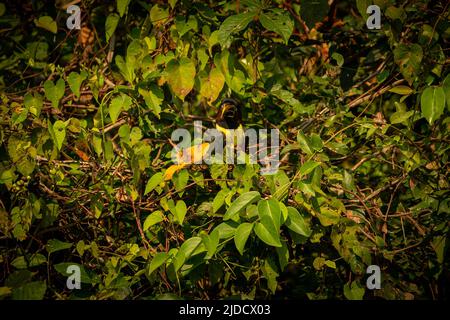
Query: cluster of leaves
(86, 122)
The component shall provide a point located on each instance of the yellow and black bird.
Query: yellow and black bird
(229, 116)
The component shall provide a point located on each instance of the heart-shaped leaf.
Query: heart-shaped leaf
(180, 76)
(47, 23)
(33, 102)
(278, 21)
(119, 103)
(211, 85)
(75, 79)
(408, 58)
(153, 182)
(59, 130)
(53, 92)
(233, 25)
(153, 98)
(179, 211)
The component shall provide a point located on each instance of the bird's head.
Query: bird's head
(229, 115)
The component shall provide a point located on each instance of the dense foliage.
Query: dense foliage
(86, 117)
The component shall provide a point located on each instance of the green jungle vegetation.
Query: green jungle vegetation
(86, 176)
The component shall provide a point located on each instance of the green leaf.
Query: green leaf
(432, 103)
(122, 6)
(184, 26)
(270, 208)
(403, 90)
(296, 223)
(446, 87)
(328, 216)
(46, 23)
(31, 291)
(188, 248)
(135, 135)
(241, 236)
(59, 130)
(152, 219)
(408, 58)
(400, 116)
(395, 13)
(172, 3)
(283, 255)
(54, 245)
(53, 92)
(270, 272)
(226, 229)
(158, 15)
(240, 203)
(362, 6)
(308, 167)
(353, 291)
(313, 11)
(211, 85)
(278, 21)
(233, 25)
(153, 98)
(20, 115)
(4, 291)
(157, 261)
(180, 76)
(119, 103)
(219, 199)
(304, 143)
(34, 261)
(153, 182)
(62, 269)
(127, 69)
(179, 211)
(111, 24)
(211, 242)
(75, 79)
(266, 231)
(339, 58)
(34, 103)
(22, 154)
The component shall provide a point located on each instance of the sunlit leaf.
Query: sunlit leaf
(432, 102)
(240, 203)
(241, 236)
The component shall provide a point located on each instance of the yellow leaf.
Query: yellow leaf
(171, 171)
(185, 157)
(193, 154)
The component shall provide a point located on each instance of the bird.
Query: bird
(229, 116)
(228, 121)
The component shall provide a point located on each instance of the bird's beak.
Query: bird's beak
(226, 107)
